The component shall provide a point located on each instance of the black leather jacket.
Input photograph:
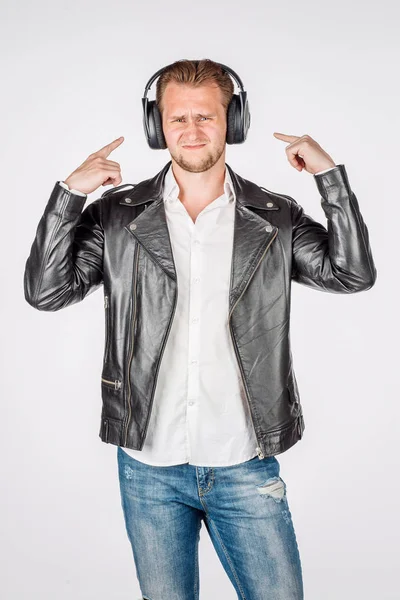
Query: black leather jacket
(275, 242)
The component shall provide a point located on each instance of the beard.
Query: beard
(201, 160)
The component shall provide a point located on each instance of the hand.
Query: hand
(96, 170)
(305, 153)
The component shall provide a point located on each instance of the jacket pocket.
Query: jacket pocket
(107, 327)
(105, 425)
(110, 429)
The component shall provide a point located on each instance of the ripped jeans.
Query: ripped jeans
(245, 511)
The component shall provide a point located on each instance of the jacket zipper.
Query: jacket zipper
(258, 448)
(116, 382)
(158, 367)
(133, 340)
(107, 312)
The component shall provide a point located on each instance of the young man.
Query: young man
(198, 385)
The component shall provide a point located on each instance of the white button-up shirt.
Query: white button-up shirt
(200, 413)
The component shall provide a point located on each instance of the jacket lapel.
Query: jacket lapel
(252, 233)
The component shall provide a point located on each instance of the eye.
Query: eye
(176, 120)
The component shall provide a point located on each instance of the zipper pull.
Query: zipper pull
(259, 452)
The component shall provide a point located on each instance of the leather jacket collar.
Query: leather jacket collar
(252, 233)
(247, 193)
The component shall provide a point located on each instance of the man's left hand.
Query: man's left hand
(305, 153)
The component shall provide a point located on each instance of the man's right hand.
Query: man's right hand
(96, 170)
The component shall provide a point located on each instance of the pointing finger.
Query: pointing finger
(286, 138)
(108, 148)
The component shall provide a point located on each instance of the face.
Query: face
(194, 117)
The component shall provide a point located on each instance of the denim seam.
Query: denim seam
(196, 563)
(227, 558)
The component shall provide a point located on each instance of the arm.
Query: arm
(66, 258)
(337, 259)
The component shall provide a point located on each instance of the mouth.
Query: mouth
(193, 147)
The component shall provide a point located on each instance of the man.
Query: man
(198, 386)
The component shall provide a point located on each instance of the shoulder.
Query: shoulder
(279, 199)
(271, 199)
(119, 190)
(252, 189)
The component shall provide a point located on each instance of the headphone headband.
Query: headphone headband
(224, 67)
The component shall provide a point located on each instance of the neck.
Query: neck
(199, 189)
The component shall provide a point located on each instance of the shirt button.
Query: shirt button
(196, 242)
(193, 362)
(195, 320)
(196, 279)
(190, 402)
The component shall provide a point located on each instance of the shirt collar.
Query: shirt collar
(171, 188)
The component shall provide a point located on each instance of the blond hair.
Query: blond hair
(195, 73)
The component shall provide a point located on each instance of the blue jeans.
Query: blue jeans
(245, 511)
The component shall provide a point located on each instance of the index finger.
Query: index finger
(286, 138)
(108, 148)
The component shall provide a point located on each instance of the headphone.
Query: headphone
(238, 115)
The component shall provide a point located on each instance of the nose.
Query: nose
(193, 133)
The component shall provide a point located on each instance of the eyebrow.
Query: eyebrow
(197, 115)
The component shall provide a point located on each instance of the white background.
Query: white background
(73, 75)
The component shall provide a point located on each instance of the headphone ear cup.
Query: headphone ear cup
(152, 125)
(238, 122)
(234, 129)
(231, 121)
(158, 127)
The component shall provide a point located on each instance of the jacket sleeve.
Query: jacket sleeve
(66, 258)
(337, 259)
